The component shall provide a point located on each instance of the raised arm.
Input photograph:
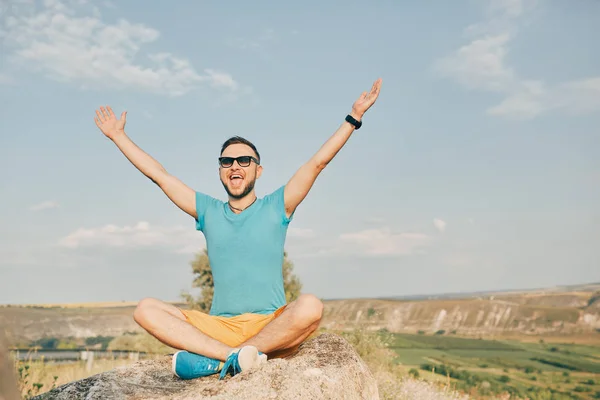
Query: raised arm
(300, 184)
(179, 193)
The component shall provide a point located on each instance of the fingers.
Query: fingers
(99, 117)
(105, 113)
(124, 116)
(373, 93)
(375, 89)
(379, 81)
(98, 123)
(376, 86)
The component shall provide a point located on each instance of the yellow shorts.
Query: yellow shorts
(232, 331)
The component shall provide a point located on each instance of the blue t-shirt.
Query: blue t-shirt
(245, 252)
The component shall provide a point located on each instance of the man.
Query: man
(249, 319)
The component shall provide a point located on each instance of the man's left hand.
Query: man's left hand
(365, 101)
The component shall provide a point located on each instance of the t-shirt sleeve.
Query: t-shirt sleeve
(203, 202)
(277, 201)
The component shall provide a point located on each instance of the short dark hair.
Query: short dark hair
(241, 140)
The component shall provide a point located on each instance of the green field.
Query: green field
(534, 370)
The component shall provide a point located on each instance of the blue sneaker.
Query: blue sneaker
(188, 365)
(243, 359)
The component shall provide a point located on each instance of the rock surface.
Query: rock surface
(325, 367)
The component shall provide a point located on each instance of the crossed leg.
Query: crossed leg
(297, 322)
(167, 324)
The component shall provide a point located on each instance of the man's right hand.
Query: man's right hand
(114, 129)
(109, 124)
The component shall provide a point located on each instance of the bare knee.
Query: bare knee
(309, 310)
(145, 309)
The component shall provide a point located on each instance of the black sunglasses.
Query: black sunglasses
(243, 161)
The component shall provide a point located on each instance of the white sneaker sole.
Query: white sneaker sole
(173, 362)
(262, 358)
(248, 358)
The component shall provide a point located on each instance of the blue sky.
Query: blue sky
(477, 168)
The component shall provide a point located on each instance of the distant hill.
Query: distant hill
(586, 287)
(561, 313)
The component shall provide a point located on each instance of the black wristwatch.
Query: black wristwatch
(351, 120)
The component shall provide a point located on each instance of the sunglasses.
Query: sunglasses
(243, 161)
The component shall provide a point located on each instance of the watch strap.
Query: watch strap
(350, 119)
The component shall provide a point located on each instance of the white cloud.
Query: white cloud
(176, 239)
(81, 49)
(381, 242)
(89, 246)
(44, 206)
(221, 79)
(482, 64)
(580, 96)
(439, 224)
(526, 102)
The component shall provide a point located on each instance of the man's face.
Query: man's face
(238, 181)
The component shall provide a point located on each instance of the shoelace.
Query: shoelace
(231, 362)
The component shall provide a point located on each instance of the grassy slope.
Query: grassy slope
(489, 360)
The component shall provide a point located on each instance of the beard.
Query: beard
(247, 189)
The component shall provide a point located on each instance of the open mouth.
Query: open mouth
(236, 179)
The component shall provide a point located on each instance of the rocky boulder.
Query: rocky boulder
(325, 367)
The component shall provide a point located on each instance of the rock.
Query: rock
(325, 367)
